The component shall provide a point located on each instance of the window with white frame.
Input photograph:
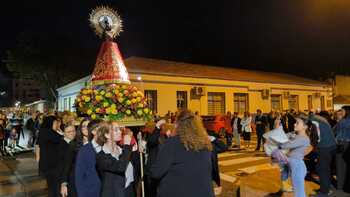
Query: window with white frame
(276, 102)
(293, 102)
(181, 99)
(240, 102)
(216, 103)
(151, 96)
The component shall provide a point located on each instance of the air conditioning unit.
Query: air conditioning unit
(197, 92)
(286, 95)
(317, 95)
(265, 94)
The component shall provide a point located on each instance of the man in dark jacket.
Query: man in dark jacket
(326, 148)
(261, 123)
(31, 126)
(236, 129)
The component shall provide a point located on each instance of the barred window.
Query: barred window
(216, 103)
(181, 99)
(309, 102)
(151, 96)
(293, 102)
(276, 102)
(323, 103)
(240, 102)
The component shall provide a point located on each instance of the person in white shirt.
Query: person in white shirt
(246, 128)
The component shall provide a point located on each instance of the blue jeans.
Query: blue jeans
(298, 173)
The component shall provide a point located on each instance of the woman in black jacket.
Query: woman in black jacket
(49, 143)
(67, 154)
(113, 162)
(183, 163)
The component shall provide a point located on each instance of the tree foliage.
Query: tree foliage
(45, 59)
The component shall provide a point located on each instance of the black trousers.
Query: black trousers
(2, 144)
(130, 191)
(151, 186)
(259, 133)
(324, 167)
(53, 184)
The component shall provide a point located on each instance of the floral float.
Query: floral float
(110, 96)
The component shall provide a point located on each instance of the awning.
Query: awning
(342, 99)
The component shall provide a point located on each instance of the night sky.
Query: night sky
(309, 38)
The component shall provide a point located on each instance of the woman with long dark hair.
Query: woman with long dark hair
(49, 140)
(87, 181)
(183, 163)
(83, 135)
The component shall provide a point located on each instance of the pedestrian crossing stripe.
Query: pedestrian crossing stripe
(228, 154)
(228, 178)
(241, 160)
(255, 168)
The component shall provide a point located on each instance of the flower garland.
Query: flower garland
(113, 102)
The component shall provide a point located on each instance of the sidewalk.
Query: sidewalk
(20, 178)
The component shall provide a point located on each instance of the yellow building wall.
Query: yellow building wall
(167, 86)
(342, 85)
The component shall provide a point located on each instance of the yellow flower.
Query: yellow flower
(124, 86)
(89, 112)
(105, 104)
(87, 99)
(98, 98)
(78, 99)
(102, 92)
(108, 110)
(133, 100)
(128, 102)
(139, 112)
(95, 92)
(120, 100)
(134, 94)
(120, 95)
(128, 112)
(146, 110)
(138, 99)
(97, 110)
(85, 92)
(140, 105)
(80, 104)
(113, 106)
(93, 116)
(140, 93)
(114, 111)
(108, 95)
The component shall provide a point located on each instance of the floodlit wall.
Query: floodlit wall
(167, 86)
(342, 85)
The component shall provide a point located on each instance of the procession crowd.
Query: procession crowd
(176, 155)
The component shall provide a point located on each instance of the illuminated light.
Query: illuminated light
(139, 78)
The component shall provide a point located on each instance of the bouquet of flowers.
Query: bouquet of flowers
(113, 102)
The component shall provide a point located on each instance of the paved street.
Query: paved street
(248, 170)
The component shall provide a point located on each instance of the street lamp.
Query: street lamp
(18, 103)
(2, 93)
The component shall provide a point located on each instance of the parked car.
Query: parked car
(218, 124)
